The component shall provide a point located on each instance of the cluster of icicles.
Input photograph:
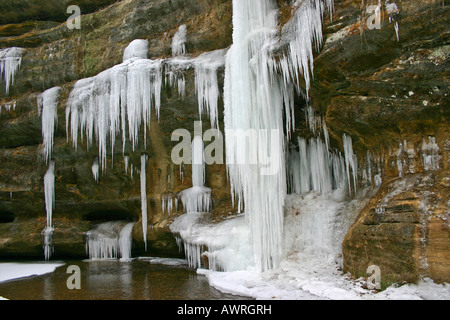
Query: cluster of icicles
(258, 95)
(119, 101)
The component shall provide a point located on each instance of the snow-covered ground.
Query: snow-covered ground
(292, 281)
(12, 271)
(315, 226)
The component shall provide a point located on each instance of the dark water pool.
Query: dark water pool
(114, 280)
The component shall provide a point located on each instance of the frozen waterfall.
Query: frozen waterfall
(110, 240)
(253, 98)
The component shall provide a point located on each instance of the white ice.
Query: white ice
(48, 109)
(49, 192)
(10, 62)
(179, 41)
(136, 49)
(144, 209)
(110, 240)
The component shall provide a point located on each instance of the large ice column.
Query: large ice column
(144, 159)
(49, 192)
(47, 108)
(254, 107)
(10, 61)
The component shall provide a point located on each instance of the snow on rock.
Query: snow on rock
(136, 49)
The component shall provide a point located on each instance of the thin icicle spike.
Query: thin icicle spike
(10, 62)
(47, 108)
(350, 162)
(144, 159)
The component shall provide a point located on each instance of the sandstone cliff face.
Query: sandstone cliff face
(391, 95)
(380, 89)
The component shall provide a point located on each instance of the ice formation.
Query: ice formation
(110, 240)
(253, 98)
(10, 61)
(168, 204)
(301, 34)
(179, 41)
(258, 98)
(136, 49)
(393, 11)
(95, 169)
(49, 192)
(206, 83)
(197, 198)
(351, 162)
(9, 106)
(47, 108)
(118, 100)
(314, 167)
(225, 246)
(431, 157)
(144, 159)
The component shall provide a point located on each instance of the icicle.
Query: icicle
(179, 41)
(393, 11)
(10, 61)
(126, 160)
(144, 159)
(95, 169)
(302, 33)
(350, 161)
(174, 73)
(49, 192)
(47, 108)
(315, 168)
(206, 83)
